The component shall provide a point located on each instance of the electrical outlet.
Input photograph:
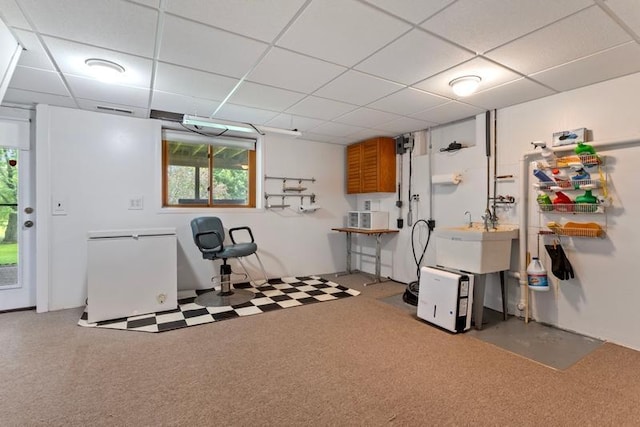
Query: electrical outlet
(136, 203)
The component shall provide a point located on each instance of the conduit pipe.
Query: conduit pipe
(524, 212)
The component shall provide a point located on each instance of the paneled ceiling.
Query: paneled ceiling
(338, 70)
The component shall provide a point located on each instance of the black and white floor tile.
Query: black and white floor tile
(280, 293)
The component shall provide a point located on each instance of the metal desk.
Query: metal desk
(378, 234)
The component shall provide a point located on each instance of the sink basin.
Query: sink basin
(475, 249)
(478, 232)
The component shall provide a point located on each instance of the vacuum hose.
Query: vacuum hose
(410, 295)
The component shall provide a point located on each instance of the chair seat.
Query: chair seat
(234, 251)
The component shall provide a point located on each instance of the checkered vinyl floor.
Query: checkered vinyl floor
(278, 294)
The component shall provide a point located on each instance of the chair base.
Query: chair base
(222, 299)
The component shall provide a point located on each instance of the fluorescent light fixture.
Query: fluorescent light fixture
(465, 85)
(217, 124)
(287, 132)
(104, 70)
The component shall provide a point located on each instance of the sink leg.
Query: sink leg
(504, 290)
(478, 299)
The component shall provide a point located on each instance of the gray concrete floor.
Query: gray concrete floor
(552, 347)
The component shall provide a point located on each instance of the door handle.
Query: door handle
(28, 224)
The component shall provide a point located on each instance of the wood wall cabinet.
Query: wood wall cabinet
(371, 166)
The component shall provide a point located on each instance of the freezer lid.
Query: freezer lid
(138, 232)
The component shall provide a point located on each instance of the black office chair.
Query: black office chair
(208, 235)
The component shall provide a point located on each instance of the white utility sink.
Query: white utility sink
(475, 249)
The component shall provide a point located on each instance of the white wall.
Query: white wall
(449, 201)
(98, 161)
(94, 163)
(601, 300)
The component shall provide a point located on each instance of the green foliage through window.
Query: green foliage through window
(195, 169)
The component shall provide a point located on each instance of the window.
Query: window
(201, 171)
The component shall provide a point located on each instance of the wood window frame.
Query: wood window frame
(251, 193)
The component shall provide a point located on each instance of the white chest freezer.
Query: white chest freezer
(131, 272)
(445, 298)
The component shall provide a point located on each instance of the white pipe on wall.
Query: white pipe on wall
(524, 194)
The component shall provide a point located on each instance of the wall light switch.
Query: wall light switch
(59, 206)
(136, 203)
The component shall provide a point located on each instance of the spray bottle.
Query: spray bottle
(548, 155)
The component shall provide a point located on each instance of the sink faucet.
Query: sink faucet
(469, 213)
(490, 217)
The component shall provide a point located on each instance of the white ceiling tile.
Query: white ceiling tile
(151, 3)
(484, 25)
(293, 71)
(12, 15)
(115, 24)
(195, 45)
(38, 80)
(120, 110)
(404, 125)
(358, 88)
(371, 133)
(202, 56)
(366, 117)
(414, 57)
(408, 101)
(185, 81)
(511, 93)
(326, 138)
(414, 11)
(98, 91)
(70, 58)
(262, 20)
(265, 97)
(31, 98)
(627, 11)
(336, 129)
(582, 34)
(341, 31)
(183, 104)
(289, 121)
(490, 73)
(239, 113)
(448, 112)
(615, 62)
(320, 108)
(33, 54)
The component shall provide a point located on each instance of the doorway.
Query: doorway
(17, 284)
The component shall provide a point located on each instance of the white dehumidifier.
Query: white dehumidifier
(445, 298)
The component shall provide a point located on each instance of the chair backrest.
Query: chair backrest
(205, 224)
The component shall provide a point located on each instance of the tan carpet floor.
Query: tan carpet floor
(356, 361)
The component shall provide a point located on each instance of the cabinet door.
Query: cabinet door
(370, 166)
(386, 165)
(354, 178)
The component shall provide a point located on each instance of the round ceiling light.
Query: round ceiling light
(104, 70)
(465, 85)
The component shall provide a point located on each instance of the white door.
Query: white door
(17, 233)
